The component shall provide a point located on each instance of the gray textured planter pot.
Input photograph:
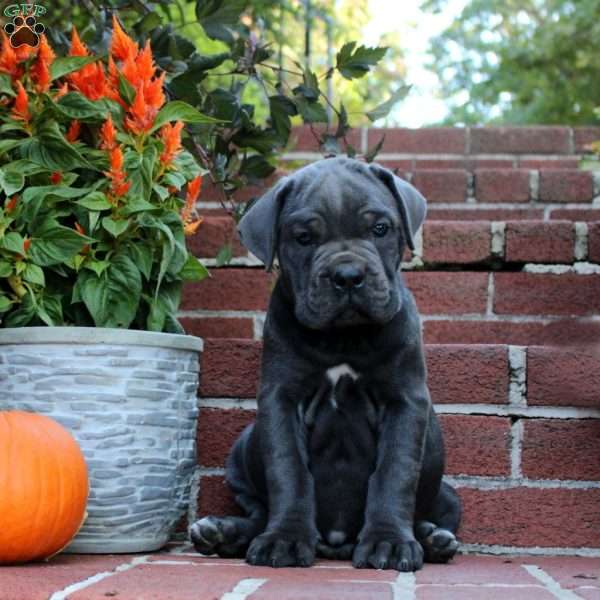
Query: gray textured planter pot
(129, 398)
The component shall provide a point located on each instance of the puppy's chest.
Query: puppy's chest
(341, 417)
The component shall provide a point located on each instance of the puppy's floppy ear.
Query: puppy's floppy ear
(259, 227)
(412, 206)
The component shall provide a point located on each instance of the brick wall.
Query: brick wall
(506, 275)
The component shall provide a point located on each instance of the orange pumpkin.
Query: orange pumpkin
(43, 487)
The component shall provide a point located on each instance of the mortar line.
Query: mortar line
(404, 587)
(244, 588)
(516, 447)
(550, 584)
(84, 583)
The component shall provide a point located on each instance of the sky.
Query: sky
(415, 28)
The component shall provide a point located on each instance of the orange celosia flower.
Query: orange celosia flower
(26, 244)
(119, 187)
(171, 137)
(56, 177)
(20, 109)
(91, 79)
(141, 114)
(8, 59)
(189, 210)
(25, 52)
(78, 48)
(73, 131)
(40, 72)
(79, 228)
(11, 204)
(108, 135)
(121, 45)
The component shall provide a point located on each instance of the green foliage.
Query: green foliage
(520, 61)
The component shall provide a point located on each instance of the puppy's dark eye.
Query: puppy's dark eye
(304, 238)
(380, 229)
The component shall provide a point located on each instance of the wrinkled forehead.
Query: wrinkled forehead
(336, 192)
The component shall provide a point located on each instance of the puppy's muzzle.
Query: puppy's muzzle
(347, 276)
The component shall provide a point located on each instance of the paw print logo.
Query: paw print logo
(24, 30)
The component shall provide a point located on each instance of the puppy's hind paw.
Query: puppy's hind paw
(439, 544)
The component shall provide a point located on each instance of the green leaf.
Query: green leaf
(174, 178)
(143, 256)
(224, 255)
(49, 310)
(374, 151)
(180, 111)
(126, 90)
(384, 109)
(98, 266)
(6, 85)
(163, 306)
(113, 297)
(137, 205)
(312, 112)
(34, 274)
(13, 242)
(65, 65)
(76, 106)
(5, 269)
(11, 181)
(220, 17)
(36, 198)
(51, 150)
(309, 87)
(353, 63)
(115, 228)
(6, 145)
(95, 201)
(23, 315)
(257, 167)
(282, 108)
(5, 303)
(193, 269)
(186, 164)
(140, 169)
(52, 244)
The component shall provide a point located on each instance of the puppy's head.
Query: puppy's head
(338, 228)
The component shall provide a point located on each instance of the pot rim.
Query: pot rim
(99, 335)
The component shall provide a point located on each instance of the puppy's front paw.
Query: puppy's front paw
(388, 552)
(281, 550)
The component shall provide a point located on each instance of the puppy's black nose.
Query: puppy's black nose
(348, 276)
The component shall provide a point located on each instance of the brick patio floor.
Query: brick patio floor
(180, 574)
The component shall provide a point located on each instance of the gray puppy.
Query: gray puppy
(346, 456)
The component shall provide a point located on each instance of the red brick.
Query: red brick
(476, 445)
(218, 428)
(440, 163)
(443, 185)
(502, 185)
(572, 571)
(229, 289)
(150, 581)
(584, 136)
(483, 214)
(462, 374)
(218, 327)
(594, 242)
(230, 368)
(575, 214)
(489, 592)
(428, 140)
(317, 586)
(212, 235)
(568, 294)
(38, 581)
(448, 292)
(563, 163)
(520, 140)
(557, 377)
(566, 185)
(398, 166)
(555, 333)
(561, 449)
(303, 139)
(530, 517)
(215, 497)
(531, 241)
(456, 242)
